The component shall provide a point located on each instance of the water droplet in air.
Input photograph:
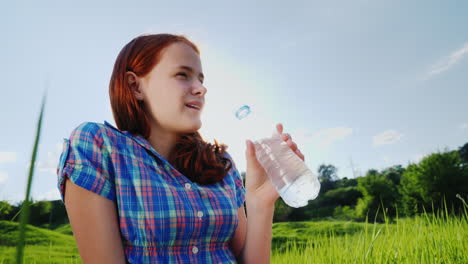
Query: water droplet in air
(242, 112)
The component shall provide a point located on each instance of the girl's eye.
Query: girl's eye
(182, 74)
(185, 75)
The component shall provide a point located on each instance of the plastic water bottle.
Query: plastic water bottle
(294, 181)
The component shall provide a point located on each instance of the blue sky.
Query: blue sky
(378, 83)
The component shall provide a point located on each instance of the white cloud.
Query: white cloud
(446, 63)
(324, 137)
(50, 164)
(8, 157)
(464, 126)
(3, 177)
(47, 196)
(386, 137)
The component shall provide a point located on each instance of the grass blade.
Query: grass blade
(24, 217)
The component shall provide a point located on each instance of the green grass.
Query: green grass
(24, 216)
(427, 239)
(423, 239)
(41, 254)
(302, 232)
(64, 229)
(41, 245)
(35, 235)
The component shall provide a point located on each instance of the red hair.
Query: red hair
(198, 160)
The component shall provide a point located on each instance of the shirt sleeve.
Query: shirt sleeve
(86, 161)
(238, 182)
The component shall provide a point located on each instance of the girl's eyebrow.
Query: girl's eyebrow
(188, 68)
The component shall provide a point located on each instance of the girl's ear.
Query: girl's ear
(133, 82)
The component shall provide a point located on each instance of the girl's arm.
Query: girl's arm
(253, 236)
(94, 222)
(252, 239)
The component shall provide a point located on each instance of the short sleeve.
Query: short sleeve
(238, 182)
(86, 161)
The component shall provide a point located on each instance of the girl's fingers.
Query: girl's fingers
(279, 127)
(299, 153)
(288, 139)
(292, 145)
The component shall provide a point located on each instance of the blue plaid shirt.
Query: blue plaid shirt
(163, 216)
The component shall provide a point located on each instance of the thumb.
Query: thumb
(250, 150)
(250, 155)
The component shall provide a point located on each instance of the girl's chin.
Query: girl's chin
(194, 127)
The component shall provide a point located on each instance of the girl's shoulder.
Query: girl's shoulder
(97, 135)
(97, 129)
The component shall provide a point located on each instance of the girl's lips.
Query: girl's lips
(196, 104)
(193, 108)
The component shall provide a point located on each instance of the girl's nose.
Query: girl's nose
(199, 89)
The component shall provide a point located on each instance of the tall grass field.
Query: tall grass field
(423, 239)
(429, 238)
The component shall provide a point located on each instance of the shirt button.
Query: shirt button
(195, 250)
(200, 213)
(188, 186)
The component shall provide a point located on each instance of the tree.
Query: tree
(40, 212)
(327, 176)
(342, 196)
(437, 178)
(378, 192)
(282, 211)
(345, 182)
(5, 210)
(394, 173)
(463, 152)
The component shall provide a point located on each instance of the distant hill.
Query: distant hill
(64, 229)
(35, 235)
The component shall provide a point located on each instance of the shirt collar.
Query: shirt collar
(138, 139)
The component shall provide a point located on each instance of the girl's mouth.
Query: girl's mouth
(194, 107)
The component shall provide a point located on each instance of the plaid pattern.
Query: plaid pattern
(164, 217)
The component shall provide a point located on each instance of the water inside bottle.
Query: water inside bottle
(293, 180)
(298, 193)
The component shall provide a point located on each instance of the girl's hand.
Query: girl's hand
(258, 187)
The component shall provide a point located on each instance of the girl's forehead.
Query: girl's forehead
(181, 54)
